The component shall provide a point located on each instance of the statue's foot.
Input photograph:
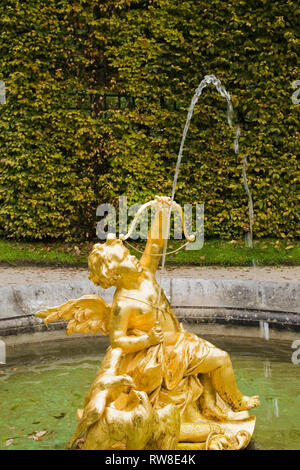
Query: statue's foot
(213, 411)
(247, 403)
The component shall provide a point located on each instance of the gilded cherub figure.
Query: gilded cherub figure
(176, 389)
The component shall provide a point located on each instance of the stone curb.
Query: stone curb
(196, 299)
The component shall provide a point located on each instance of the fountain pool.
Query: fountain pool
(37, 413)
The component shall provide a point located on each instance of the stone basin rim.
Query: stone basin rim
(242, 303)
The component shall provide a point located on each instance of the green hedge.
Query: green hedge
(62, 152)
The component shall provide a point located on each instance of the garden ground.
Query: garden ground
(266, 252)
(270, 259)
(36, 274)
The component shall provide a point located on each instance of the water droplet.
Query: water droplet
(276, 407)
(267, 369)
(264, 330)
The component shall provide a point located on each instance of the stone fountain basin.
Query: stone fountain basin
(212, 306)
(229, 313)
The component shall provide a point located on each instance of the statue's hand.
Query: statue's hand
(108, 381)
(156, 335)
(163, 202)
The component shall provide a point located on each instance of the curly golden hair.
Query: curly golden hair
(99, 262)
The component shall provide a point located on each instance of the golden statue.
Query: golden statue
(159, 386)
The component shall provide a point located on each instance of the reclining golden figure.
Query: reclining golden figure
(159, 386)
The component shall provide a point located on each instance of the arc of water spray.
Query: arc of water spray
(220, 88)
(2, 92)
(246, 186)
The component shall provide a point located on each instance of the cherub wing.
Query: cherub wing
(88, 314)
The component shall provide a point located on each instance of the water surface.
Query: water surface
(43, 394)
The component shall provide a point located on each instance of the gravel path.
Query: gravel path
(10, 276)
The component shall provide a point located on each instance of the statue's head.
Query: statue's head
(111, 260)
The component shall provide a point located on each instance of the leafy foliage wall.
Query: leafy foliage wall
(67, 146)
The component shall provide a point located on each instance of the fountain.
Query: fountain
(176, 389)
(179, 388)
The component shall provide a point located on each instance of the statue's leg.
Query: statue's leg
(208, 400)
(218, 363)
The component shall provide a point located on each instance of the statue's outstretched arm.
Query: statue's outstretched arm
(157, 235)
